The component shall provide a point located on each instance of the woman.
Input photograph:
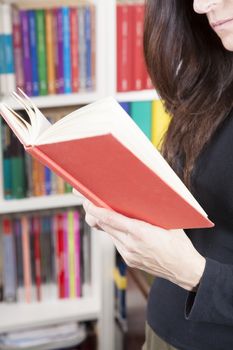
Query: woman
(188, 48)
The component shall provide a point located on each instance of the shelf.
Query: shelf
(56, 100)
(39, 203)
(143, 95)
(19, 316)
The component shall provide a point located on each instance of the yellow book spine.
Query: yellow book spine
(120, 281)
(71, 256)
(50, 51)
(160, 123)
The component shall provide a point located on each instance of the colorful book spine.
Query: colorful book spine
(60, 51)
(138, 59)
(71, 250)
(41, 50)
(77, 253)
(26, 259)
(18, 176)
(7, 165)
(66, 254)
(18, 52)
(124, 47)
(126, 106)
(2, 56)
(82, 48)
(9, 263)
(50, 35)
(33, 51)
(60, 254)
(66, 49)
(141, 114)
(8, 47)
(48, 179)
(37, 255)
(160, 123)
(93, 45)
(74, 48)
(87, 30)
(27, 64)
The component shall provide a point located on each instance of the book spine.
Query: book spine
(37, 255)
(160, 123)
(66, 254)
(141, 114)
(87, 30)
(33, 52)
(17, 168)
(71, 253)
(2, 56)
(8, 47)
(9, 275)
(60, 51)
(77, 253)
(7, 166)
(93, 45)
(26, 52)
(124, 47)
(74, 48)
(48, 179)
(138, 61)
(41, 47)
(60, 254)
(50, 35)
(18, 49)
(66, 49)
(26, 258)
(82, 48)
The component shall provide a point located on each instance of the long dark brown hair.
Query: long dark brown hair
(193, 74)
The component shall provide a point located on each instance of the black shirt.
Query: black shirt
(204, 320)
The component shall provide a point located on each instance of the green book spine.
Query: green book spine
(18, 169)
(41, 50)
(141, 114)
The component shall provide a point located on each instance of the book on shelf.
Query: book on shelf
(46, 256)
(102, 153)
(47, 49)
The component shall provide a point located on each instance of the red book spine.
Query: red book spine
(138, 58)
(124, 47)
(60, 255)
(74, 49)
(37, 232)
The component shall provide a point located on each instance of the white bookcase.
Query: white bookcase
(99, 303)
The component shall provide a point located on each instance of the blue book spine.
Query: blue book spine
(126, 106)
(48, 181)
(9, 57)
(66, 49)
(87, 30)
(33, 51)
(2, 55)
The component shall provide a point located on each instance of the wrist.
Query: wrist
(194, 274)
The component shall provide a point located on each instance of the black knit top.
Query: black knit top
(204, 320)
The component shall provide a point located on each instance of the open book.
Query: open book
(103, 154)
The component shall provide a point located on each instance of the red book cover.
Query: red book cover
(60, 254)
(124, 47)
(138, 61)
(108, 179)
(36, 225)
(74, 48)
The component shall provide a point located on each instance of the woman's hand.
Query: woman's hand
(164, 253)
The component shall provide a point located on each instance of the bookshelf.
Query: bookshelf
(97, 303)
